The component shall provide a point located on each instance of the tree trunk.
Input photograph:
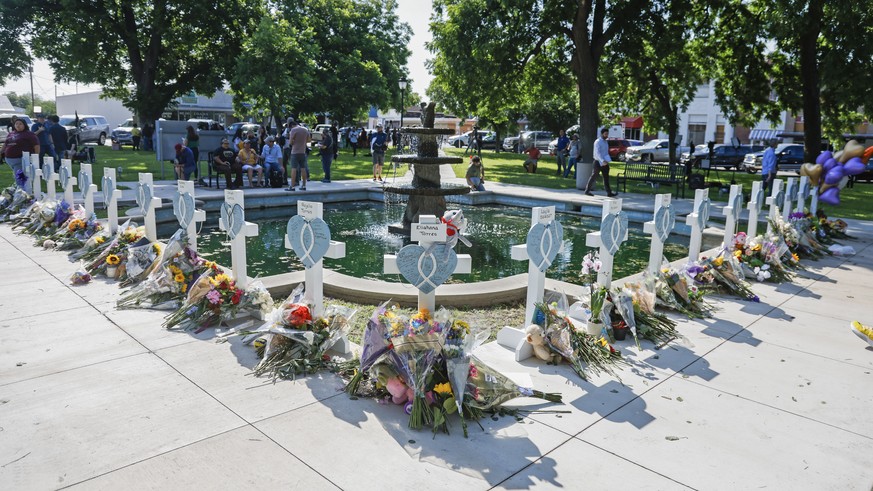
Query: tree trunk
(809, 81)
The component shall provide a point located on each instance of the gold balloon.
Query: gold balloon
(852, 149)
(824, 187)
(838, 156)
(813, 172)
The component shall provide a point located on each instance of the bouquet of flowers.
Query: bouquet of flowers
(487, 389)
(213, 298)
(678, 291)
(597, 294)
(835, 229)
(761, 258)
(58, 225)
(295, 341)
(791, 236)
(142, 258)
(12, 200)
(374, 345)
(167, 284)
(39, 216)
(76, 231)
(723, 273)
(111, 261)
(809, 241)
(97, 243)
(585, 353)
(636, 305)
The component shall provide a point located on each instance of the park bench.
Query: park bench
(653, 174)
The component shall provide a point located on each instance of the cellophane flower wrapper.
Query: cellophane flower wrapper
(12, 203)
(167, 284)
(724, 274)
(80, 276)
(78, 228)
(212, 299)
(296, 341)
(124, 237)
(487, 388)
(96, 244)
(142, 259)
(374, 345)
(460, 343)
(259, 299)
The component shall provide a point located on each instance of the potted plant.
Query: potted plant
(591, 266)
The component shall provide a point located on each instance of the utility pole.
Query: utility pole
(32, 99)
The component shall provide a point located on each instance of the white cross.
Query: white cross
(774, 201)
(111, 195)
(48, 172)
(613, 231)
(756, 202)
(662, 223)
(237, 229)
(31, 169)
(732, 214)
(67, 180)
(185, 211)
(428, 231)
(697, 220)
(86, 186)
(147, 203)
(311, 211)
(790, 192)
(813, 203)
(802, 193)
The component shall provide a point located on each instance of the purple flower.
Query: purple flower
(796, 215)
(695, 270)
(214, 297)
(20, 177)
(62, 213)
(754, 298)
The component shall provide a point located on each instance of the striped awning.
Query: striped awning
(762, 135)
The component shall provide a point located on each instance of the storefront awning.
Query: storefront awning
(762, 135)
(632, 123)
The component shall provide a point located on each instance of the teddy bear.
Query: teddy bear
(537, 339)
(386, 376)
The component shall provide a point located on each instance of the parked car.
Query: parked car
(92, 128)
(653, 151)
(204, 124)
(617, 148)
(540, 139)
(789, 156)
(121, 134)
(510, 143)
(6, 122)
(723, 155)
(462, 140)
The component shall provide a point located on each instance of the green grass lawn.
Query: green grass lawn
(499, 167)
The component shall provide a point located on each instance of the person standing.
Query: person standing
(192, 142)
(768, 165)
(224, 161)
(573, 152)
(135, 136)
(334, 134)
(561, 151)
(378, 143)
(18, 141)
(353, 140)
(39, 129)
(601, 165)
(148, 132)
(59, 138)
(298, 138)
(325, 149)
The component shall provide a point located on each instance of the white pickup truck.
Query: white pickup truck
(653, 151)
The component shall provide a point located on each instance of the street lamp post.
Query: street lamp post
(402, 82)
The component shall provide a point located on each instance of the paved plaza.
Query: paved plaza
(769, 395)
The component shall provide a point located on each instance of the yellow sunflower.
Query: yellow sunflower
(443, 388)
(180, 278)
(113, 260)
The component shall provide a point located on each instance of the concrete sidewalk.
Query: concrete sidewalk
(777, 394)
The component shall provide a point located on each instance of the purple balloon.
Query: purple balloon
(829, 164)
(823, 157)
(830, 196)
(854, 166)
(834, 175)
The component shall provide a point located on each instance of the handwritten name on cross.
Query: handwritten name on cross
(802, 193)
(147, 202)
(659, 228)
(613, 231)
(756, 202)
(111, 195)
(697, 220)
(777, 195)
(790, 194)
(545, 240)
(51, 177)
(85, 184)
(186, 211)
(429, 263)
(233, 221)
(731, 213)
(308, 236)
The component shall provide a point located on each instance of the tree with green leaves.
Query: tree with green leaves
(482, 46)
(24, 101)
(143, 52)
(812, 56)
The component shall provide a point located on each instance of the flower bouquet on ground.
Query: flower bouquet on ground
(49, 234)
(808, 238)
(788, 234)
(487, 390)
(76, 231)
(678, 291)
(587, 354)
(374, 345)
(97, 243)
(295, 342)
(111, 261)
(39, 216)
(142, 259)
(212, 299)
(167, 284)
(12, 200)
(761, 258)
(835, 229)
(723, 273)
(635, 304)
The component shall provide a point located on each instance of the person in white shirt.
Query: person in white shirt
(601, 164)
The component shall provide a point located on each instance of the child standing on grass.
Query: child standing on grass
(476, 174)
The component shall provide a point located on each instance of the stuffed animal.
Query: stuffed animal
(400, 392)
(537, 339)
(456, 224)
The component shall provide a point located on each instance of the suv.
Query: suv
(121, 133)
(6, 122)
(462, 140)
(653, 151)
(789, 156)
(91, 128)
(540, 139)
(724, 155)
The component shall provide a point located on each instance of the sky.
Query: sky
(416, 13)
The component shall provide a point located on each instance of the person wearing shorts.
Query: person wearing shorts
(378, 143)
(299, 137)
(248, 158)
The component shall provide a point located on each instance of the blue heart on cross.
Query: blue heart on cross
(107, 184)
(64, 176)
(233, 219)
(613, 231)
(84, 181)
(665, 220)
(427, 268)
(183, 209)
(703, 213)
(143, 196)
(309, 239)
(759, 199)
(543, 243)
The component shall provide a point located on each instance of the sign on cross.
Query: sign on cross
(233, 221)
(186, 211)
(660, 228)
(429, 263)
(613, 231)
(732, 214)
(697, 220)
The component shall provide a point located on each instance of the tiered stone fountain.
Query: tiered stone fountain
(426, 195)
